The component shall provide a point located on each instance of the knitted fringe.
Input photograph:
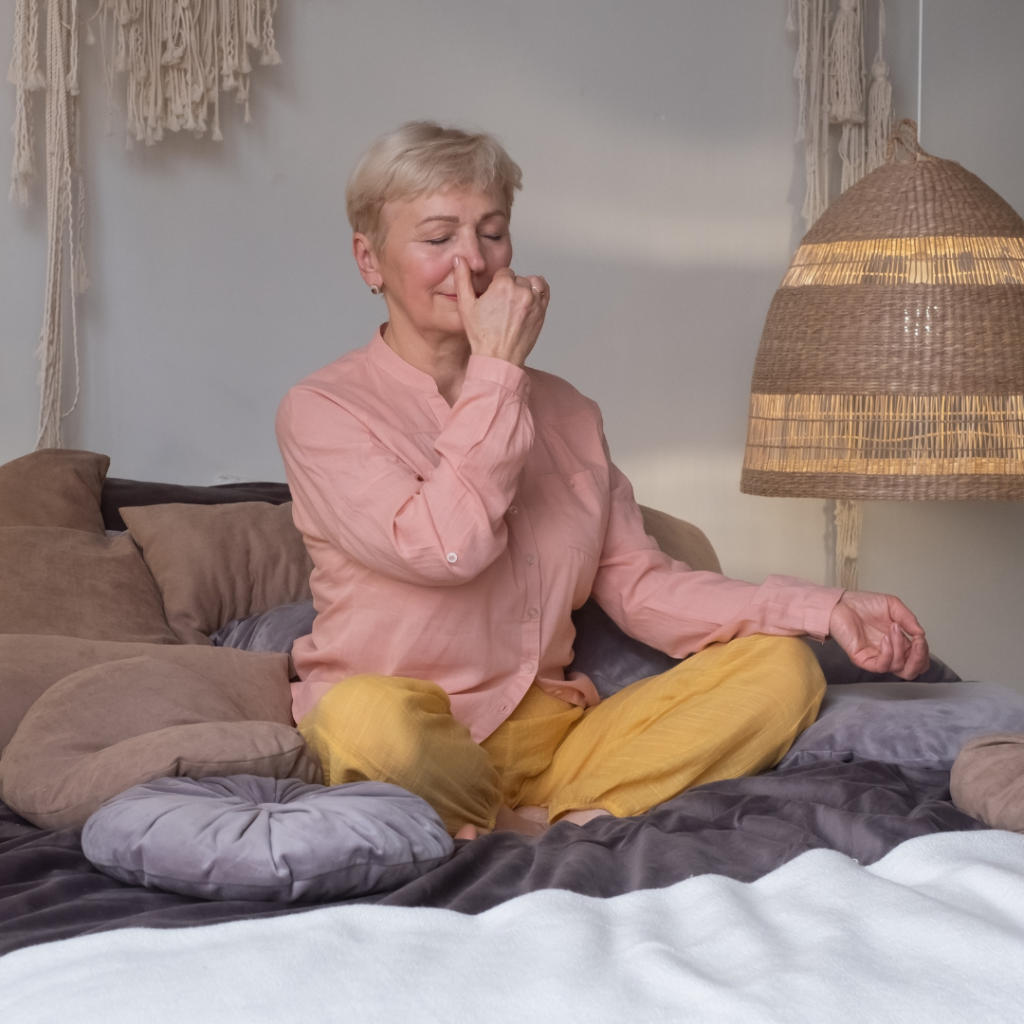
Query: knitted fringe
(809, 19)
(64, 202)
(180, 54)
(832, 78)
(26, 77)
(880, 113)
(846, 65)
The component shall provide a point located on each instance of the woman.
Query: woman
(458, 505)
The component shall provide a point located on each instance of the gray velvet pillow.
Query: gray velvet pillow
(612, 659)
(251, 838)
(609, 657)
(275, 630)
(917, 725)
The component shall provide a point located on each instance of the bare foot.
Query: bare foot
(531, 813)
(582, 817)
(527, 821)
(511, 821)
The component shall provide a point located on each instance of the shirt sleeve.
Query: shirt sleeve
(438, 525)
(679, 610)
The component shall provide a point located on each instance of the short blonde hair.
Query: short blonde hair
(423, 157)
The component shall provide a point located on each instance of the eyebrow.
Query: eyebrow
(455, 220)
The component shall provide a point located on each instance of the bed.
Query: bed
(842, 885)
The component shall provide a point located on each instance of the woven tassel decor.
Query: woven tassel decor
(892, 360)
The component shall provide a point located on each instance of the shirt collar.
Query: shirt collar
(392, 363)
(395, 366)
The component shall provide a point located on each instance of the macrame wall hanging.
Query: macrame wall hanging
(831, 74)
(178, 57)
(830, 70)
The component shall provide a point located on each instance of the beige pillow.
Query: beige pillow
(216, 563)
(71, 583)
(31, 664)
(680, 540)
(107, 728)
(54, 487)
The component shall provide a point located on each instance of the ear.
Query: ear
(366, 260)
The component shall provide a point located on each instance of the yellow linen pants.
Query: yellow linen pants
(732, 709)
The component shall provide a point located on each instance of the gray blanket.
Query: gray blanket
(742, 828)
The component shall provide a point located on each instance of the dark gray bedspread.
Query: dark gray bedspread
(742, 828)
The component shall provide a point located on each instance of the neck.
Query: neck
(444, 357)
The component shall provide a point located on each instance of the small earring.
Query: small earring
(375, 290)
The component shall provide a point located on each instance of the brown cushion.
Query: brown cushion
(31, 664)
(71, 583)
(987, 780)
(53, 487)
(215, 563)
(680, 540)
(107, 728)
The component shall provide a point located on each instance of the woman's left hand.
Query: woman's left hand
(879, 633)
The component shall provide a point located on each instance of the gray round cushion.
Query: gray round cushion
(249, 838)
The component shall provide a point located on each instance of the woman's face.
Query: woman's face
(423, 237)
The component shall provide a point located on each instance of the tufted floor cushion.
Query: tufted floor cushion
(107, 728)
(250, 838)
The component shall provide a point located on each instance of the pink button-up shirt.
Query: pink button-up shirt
(452, 543)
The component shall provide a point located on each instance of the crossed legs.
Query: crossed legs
(732, 709)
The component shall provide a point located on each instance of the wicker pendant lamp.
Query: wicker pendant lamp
(892, 360)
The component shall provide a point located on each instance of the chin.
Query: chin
(447, 322)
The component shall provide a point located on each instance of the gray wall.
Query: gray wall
(662, 189)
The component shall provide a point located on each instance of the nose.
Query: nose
(469, 250)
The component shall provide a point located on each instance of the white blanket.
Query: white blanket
(932, 933)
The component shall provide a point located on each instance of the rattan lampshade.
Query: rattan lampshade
(892, 359)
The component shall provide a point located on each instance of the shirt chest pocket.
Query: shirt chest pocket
(570, 528)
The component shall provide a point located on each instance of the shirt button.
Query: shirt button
(533, 613)
(528, 666)
(452, 557)
(570, 482)
(512, 510)
(530, 559)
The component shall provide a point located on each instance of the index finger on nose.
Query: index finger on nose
(463, 283)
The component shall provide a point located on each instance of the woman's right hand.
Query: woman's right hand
(505, 321)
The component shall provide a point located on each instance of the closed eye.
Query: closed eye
(438, 241)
